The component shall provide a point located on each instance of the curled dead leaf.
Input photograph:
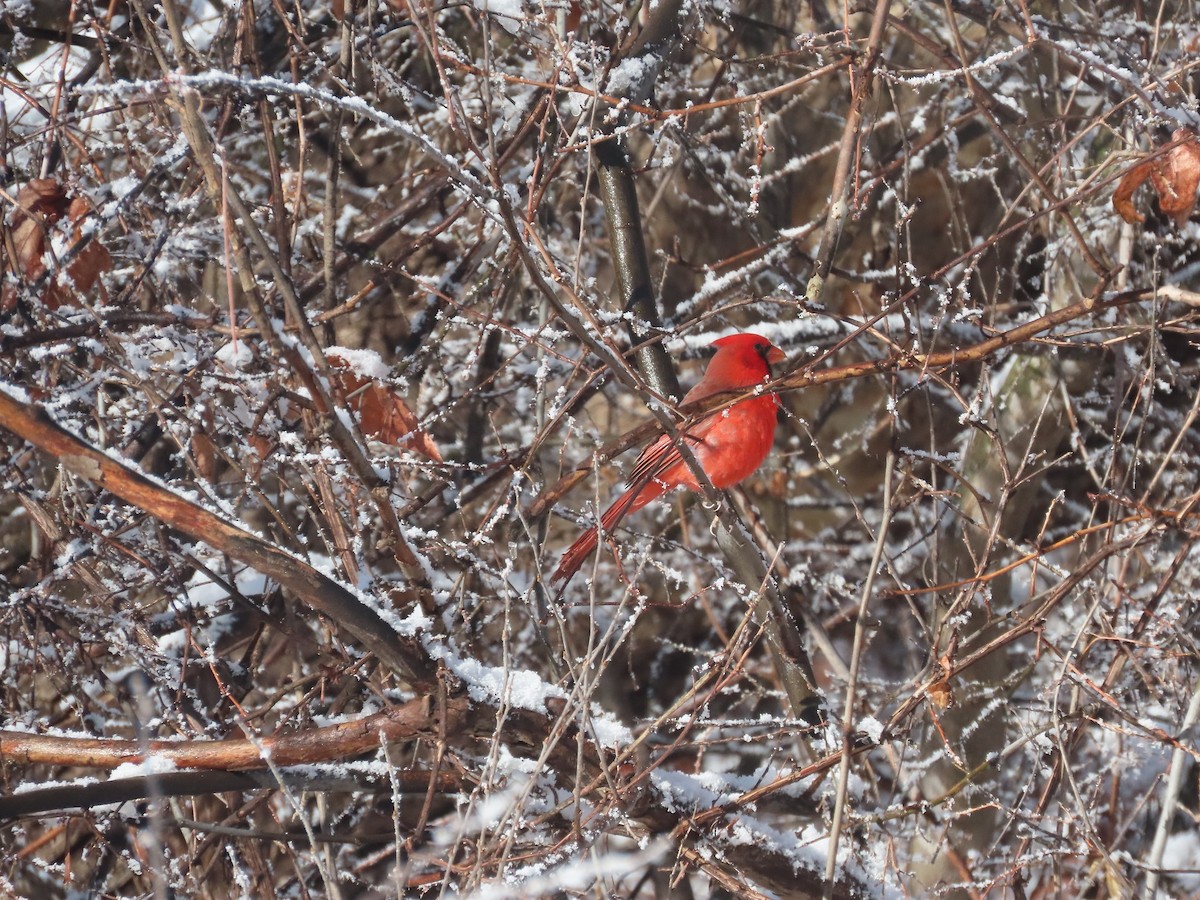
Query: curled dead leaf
(94, 259)
(940, 695)
(42, 204)
(1122, 199)
(1175, 175)
(382, 413)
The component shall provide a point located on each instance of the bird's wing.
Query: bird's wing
(663, 454)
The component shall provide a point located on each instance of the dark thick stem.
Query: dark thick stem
(632, 266)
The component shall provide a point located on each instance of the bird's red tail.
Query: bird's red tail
(629, 502)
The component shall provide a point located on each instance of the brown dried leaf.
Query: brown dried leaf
(1175, 175)
(1122, 200)
(382, 412)
(41, 204)
(940, 695)
(204, 449)
(94, 259)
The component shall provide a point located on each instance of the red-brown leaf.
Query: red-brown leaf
(1175, 175)
(93, 260)
(1122, 200)
(41, 204)
(382, 412)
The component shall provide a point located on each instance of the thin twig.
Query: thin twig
(860, 638)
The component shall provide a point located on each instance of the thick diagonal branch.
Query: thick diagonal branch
(404, 655)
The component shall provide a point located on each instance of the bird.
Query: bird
(730, 444)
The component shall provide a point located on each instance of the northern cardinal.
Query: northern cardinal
(728, 443)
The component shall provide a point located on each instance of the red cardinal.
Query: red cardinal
(728, 443)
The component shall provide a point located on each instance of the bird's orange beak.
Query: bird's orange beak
(775, 355)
